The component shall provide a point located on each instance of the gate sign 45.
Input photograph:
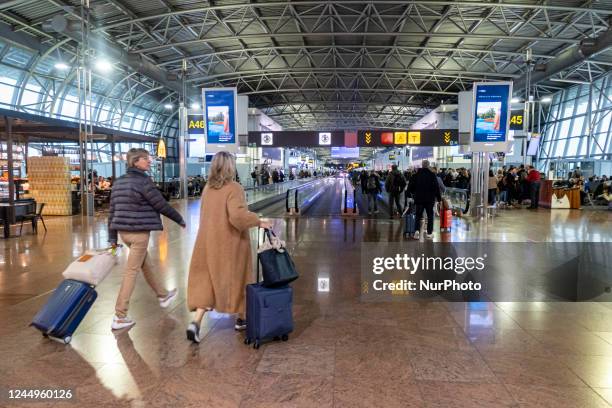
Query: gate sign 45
(516, 119)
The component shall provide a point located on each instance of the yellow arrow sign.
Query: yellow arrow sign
(368, 137)
(447, 137)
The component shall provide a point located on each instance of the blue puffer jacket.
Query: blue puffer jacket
(135, 205)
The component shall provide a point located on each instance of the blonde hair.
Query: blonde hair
(134, 154)
(222, 170)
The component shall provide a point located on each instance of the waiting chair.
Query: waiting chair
(34, 217)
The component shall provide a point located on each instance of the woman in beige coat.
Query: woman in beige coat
(221, 262)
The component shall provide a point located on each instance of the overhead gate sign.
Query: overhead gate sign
(365, 138)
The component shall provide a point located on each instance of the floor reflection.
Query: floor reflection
(343, 352)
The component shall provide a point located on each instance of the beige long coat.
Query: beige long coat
(221, 260)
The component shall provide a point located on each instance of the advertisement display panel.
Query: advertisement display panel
(220, 119)
(491, 115)
(345, 152)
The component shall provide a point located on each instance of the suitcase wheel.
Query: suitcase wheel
(256, 344)
(45, 335)
(67, 339)
(285, 337)
(247, 341)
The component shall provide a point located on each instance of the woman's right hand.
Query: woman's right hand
(265, 224)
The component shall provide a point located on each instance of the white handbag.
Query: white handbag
(93, 266)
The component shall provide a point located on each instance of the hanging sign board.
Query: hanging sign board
(161, 149)
(516, 119)
(490, 116)
(196, 135)
(220, 119)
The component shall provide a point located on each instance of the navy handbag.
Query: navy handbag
(276, 265)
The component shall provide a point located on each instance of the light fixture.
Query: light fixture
(195, 106)
(103, 65)
(168, 106)
(516, 100)
(61, 66)
(546, 99)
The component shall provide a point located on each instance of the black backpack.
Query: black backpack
(398, 183)
(372, 182)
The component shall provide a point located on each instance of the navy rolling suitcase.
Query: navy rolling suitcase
(65, 310)
(269, 312)
(409, 222)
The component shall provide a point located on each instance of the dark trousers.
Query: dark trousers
(394, 198)
(492, 194)
(428, 207)
(534, 188)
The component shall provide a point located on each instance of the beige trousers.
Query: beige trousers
(137, 260)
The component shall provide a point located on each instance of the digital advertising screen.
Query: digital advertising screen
(345, 152)
(272, 153)
(491, 112)
(220, 115)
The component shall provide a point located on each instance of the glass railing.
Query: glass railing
(349, 198)
(298, 199)
(458, 199)
(265, 192)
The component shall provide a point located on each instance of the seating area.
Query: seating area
(18, 213)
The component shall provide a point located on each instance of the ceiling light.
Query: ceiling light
(516, 100)
(195, 106)
(168, 106)
(103, 65)
(61, 66)
(546, 99)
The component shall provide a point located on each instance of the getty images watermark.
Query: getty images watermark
(486, 271)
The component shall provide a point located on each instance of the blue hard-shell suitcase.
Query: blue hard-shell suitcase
(65, 309)
(269, 312)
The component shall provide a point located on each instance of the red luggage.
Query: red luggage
(446, 218)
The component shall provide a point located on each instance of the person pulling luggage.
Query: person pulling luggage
(221, 263)
(426, 191)
(135, 208)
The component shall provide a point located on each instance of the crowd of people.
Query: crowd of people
(593, 190)
(508, 187)
(266, 175)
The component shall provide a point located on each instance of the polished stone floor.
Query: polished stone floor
(343, 353)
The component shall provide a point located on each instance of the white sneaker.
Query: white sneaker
(122, 323)
(416, 235)
(165, 301)
(193, 332)
(429, 236)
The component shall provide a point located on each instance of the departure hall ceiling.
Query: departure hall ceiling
(340, 64)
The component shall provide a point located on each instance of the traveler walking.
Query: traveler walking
(255, 176)
(425, 189)
(373, 188)
(221, 263)
(363, 179)
(135, 206)
(394, 185)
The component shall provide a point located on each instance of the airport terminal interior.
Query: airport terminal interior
(357, 130)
